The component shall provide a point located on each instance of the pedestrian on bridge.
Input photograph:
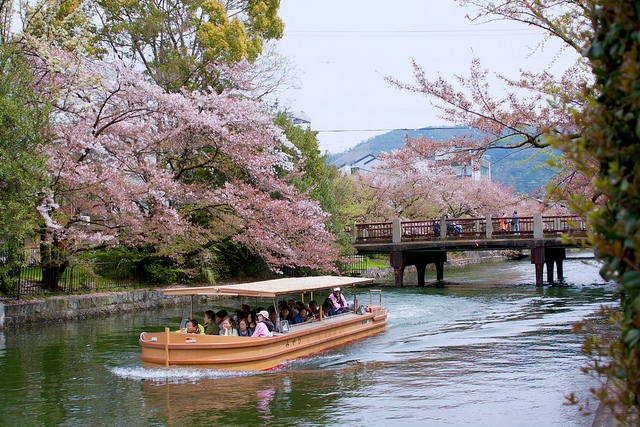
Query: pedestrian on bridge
(516, 222)
(503, 224)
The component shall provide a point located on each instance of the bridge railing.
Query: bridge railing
(372, 231)
(568, 224)
(469, 228)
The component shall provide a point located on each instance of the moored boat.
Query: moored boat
(246, 353)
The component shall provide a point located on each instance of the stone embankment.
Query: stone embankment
(71, 307)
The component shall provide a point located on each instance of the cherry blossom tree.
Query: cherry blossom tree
(410, 187)
(133, 163)
(535, 109)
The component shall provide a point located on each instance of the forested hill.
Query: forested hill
(520, 169)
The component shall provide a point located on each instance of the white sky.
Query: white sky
(343, 49)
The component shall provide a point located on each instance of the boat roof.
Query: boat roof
(272, 288)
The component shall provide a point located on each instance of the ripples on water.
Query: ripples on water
(484, 348)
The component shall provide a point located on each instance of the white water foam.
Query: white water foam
(174, 375)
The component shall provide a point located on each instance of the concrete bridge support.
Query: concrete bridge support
(541, 256)
(400, 259)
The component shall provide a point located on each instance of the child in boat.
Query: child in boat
(301, 317)
(313, 309)
(262, 329)
(327, 308)
(228, 329)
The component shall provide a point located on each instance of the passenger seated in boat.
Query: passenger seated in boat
(273, 317)
(327, 308)
(301, 317)
(211, 327)
(246, 310)
(292, 307)
(313, 309)
(262, 327)
(285, 314)
(194, 328)
(243, 328)
(220, 315)
(251, 319)
(228, 329)
(338, 300)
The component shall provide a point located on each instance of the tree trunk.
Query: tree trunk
(54, 262)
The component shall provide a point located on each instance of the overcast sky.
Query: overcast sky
(343, 49)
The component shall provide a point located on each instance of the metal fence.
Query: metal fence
(354, 265)
(26, 278)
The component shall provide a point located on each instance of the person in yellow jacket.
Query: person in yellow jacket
(193, 327)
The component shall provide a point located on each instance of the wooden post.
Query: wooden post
(166, 347)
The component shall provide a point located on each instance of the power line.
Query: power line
(374, 32)
(388, 130)
(413, 33)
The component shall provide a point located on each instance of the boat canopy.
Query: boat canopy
(272, 288)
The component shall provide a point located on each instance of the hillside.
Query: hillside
(521, 169)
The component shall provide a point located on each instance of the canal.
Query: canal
(484, 348)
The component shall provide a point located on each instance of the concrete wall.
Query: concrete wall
(84, 306)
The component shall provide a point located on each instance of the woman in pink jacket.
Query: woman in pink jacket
(262, 330)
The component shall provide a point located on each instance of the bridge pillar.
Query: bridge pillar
(439, 271)
(400, 259)
(549, 256)
(555, 255)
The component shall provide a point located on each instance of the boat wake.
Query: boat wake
(175, 375)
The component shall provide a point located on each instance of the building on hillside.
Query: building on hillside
(365, 164)
(369, 162)
(472, 170)
(300, 118)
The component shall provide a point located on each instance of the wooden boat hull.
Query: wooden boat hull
(257, 354)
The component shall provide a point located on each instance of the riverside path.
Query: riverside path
(427, 241)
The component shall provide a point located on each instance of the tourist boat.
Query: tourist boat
(255, 354)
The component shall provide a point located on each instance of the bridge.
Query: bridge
(427, 241)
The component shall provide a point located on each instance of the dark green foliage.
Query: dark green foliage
(24, 122)
(318, 176)
(612, 136)
(145, 266)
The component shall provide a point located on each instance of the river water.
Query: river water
(485, 348)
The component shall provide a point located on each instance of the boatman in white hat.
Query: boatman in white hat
(339, 301)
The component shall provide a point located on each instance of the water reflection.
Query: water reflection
(288, 397)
